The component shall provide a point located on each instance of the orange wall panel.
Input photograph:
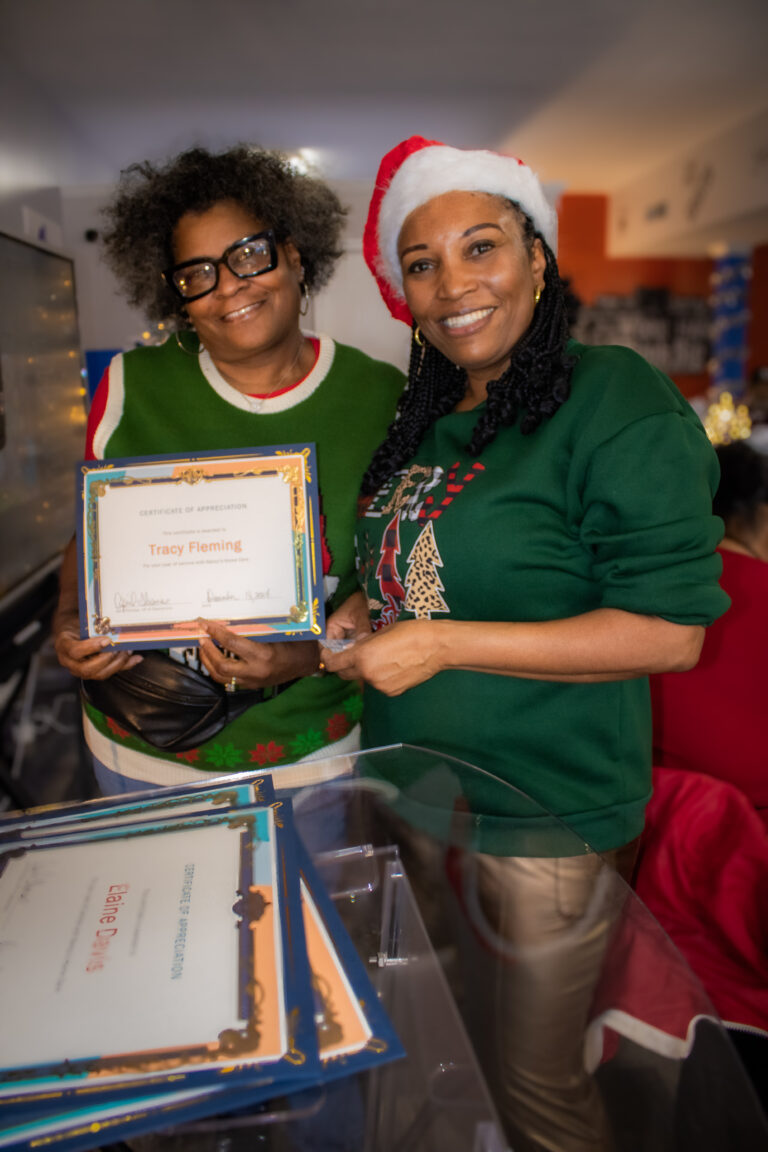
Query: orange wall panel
(582, 258)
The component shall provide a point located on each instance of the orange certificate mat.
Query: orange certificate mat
(353, 1030)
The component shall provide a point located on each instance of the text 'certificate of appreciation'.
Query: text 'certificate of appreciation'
(164, 541)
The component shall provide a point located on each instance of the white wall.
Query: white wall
(715, 192)
(39, 152)
(350, 308)
(106, 320)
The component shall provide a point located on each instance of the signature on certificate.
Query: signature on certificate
(214, 597)
(124, 600)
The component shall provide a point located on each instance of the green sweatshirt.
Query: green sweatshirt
(607, 504)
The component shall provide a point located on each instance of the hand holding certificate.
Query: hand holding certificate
(165, 541)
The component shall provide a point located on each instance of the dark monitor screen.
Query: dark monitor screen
(43, 413)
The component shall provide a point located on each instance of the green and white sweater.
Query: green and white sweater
(160, 400)
(608, 504)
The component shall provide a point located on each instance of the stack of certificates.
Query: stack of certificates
(166, 959)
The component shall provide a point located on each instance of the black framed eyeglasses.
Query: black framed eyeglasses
(251, 256)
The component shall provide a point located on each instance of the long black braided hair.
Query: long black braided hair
(536, 383)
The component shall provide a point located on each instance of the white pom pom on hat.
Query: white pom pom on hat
(416, 171)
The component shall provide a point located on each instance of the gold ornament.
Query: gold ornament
(726, 421)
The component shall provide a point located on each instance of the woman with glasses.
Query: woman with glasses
(225, 249)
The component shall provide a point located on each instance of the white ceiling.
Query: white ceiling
(592, 94)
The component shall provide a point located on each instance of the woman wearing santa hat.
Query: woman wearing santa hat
(537, 532)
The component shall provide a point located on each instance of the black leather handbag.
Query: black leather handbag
(169, 705)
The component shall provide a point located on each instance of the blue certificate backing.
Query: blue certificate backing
(74, 819)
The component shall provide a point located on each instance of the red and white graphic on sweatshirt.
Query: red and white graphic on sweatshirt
(431, 511)
(420, 591)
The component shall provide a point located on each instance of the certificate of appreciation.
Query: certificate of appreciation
(166, 958)
(164, 541)
(151, 952)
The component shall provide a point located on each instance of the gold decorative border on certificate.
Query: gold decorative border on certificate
(292, 465)
(256, 915)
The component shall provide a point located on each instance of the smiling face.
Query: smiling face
(242, 320)
(469, 279)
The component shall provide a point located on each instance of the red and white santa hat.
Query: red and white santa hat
(418, 170)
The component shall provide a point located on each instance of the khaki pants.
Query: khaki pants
(532, 947)
(530, 936)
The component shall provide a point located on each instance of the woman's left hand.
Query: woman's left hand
(604, 644)
(392, 660)
(229, 657)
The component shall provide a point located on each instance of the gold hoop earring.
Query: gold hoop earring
(421, 344)
(537, 295)
(305, 298)
(188, 351)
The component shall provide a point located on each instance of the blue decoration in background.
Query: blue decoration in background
(730, 320)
